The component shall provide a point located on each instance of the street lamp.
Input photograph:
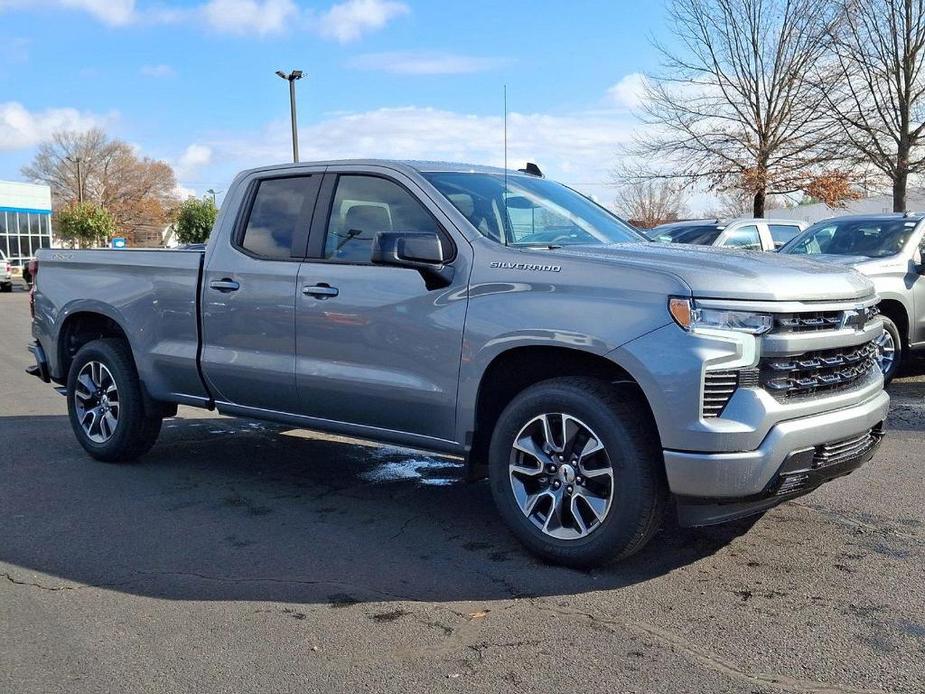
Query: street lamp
(213, 193)
(291, 78)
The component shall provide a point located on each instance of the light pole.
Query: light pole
(80, 183)
(291, 78)
(213, 193)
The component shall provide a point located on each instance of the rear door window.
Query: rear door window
(743, 238)
(782, 233)
(277, 227)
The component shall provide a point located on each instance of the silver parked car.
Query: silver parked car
(890, 249)
(743, 234)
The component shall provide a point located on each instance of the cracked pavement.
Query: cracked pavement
(247, 557)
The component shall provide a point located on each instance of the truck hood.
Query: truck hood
(727, 274)
(867, 265)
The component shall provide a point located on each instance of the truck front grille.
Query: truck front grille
(848, 449)
(808, 322)
(815, 321)
(814, 373)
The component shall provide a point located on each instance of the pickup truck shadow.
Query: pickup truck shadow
(226, 509)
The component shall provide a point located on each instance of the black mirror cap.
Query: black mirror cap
(422, 251)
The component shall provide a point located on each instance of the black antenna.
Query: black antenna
(504, 195)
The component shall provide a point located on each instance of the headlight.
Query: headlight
(689, 316)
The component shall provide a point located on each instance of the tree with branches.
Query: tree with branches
(879, 100)
(735, 108)
(137, 191)
(647, 204)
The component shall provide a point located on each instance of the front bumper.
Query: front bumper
(754, 480)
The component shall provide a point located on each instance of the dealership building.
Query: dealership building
(25, 219)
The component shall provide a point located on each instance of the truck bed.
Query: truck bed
(152, 293)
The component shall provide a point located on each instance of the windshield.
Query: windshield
(873, 238)
(699, 234)
(530, 211)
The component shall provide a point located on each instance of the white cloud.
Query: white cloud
(261, 17)
(349, 20)
(422, 63)
(344, 21)
(194, 158)
(22, 129)
(577, 148)
(629, 92)
(158, 71)
(111, 12)
(184, 192)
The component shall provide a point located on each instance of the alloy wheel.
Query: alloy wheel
(561, 476)
(96, 400)
(886, 351)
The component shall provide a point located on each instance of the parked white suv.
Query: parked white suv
(6, 274)
(743, 234)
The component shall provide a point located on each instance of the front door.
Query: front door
(249, 295)
(374, 346)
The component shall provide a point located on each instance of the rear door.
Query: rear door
(375, 347)
(249, 291)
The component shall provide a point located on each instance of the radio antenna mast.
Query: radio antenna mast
(505, 134)
(504, 195)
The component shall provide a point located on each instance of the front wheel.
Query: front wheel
(577, 472)
(105, 403)
(889, 350)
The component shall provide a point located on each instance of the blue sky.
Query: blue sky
(193, 82)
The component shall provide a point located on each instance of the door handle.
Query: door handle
(224, 285)
(321, 290)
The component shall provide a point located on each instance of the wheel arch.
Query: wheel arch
(515, 369)
(80, 327)
(898, 312)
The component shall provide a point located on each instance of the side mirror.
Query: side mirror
(918, 261)
(421, 251)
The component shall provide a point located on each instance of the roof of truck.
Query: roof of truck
(405, 165)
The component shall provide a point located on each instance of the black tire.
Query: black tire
(6, 288)
(890, 327)
(620, 418)
(135, 433)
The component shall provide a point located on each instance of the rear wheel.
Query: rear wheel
(576, 471)
(105, 403)
(6, 287)
(889, 350)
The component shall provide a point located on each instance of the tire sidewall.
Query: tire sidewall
(131, 407)
(891, 327)
(627, 459)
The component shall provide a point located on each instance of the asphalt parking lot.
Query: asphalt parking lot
(243, 557)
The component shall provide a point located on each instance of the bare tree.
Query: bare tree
(137, 191)
(650, 203)
(734, 107)
(880, 100)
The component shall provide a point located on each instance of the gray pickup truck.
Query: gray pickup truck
(594, 377)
